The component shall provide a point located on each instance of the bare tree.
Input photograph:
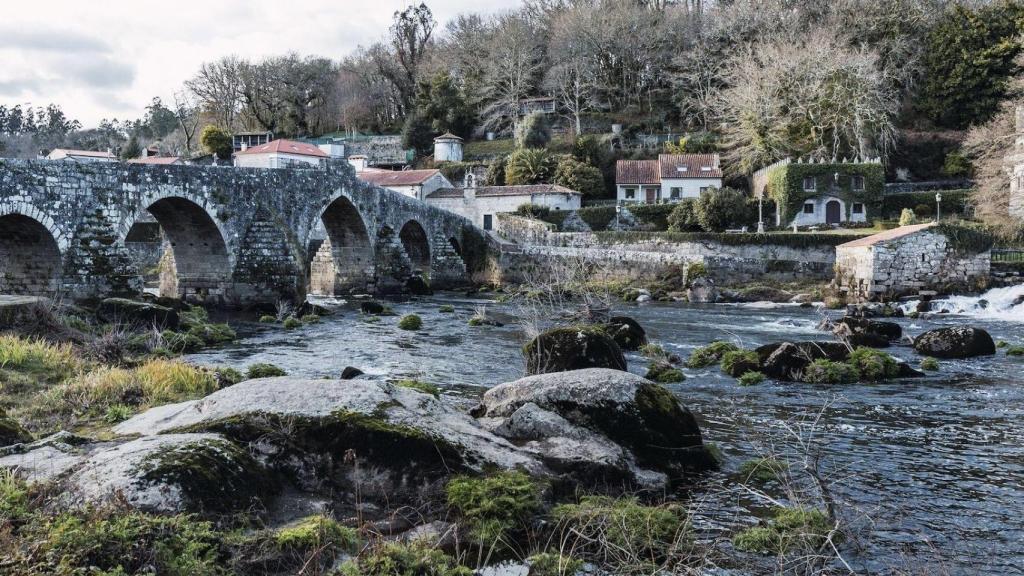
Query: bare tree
(511, 72)
(218, 88)
(187, 113)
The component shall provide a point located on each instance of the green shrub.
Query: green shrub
(228, 376)
(710, 354)
(311, 319)
(684, 217)
(14, 497)
(735, 363)
(1015, 351)
(581, 177)
(548, 564)
(291, 323)
(533, 131)
(50, 362)
(420, 386)
(446, 309)
(415, 558)
(655, 216)
(118, 413)
(410, 322)
(907, 217)
(495, 506)
(789, 529)
(762, 470)
(314, 532)
(496, 171)
(634, 530)
(529, 166)
(268, 319)
(873, 365)
(696, 270)
(717, 210)
(263, 370)
(1002, 344)
(751, 378)
(824, 371)
(930, 364)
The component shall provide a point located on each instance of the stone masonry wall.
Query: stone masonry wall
(907, 265)
(238, 234)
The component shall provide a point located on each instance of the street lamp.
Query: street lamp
(938, 206)
(618, 209)
(760, 214)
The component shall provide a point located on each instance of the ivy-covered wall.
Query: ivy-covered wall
(786, 186)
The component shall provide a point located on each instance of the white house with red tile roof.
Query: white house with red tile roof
(416, 184)
(69, 155)
(281, 153)
(670, 178)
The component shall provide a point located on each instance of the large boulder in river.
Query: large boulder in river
(955, 342)
(788, 360)
(626, 332)
(865, 332)
(702, 290)
(329, 434)
(418, 286)
(573, 348)
(568, 417)
(123, 310)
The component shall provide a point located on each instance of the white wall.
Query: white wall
(477, 207)
(274, 160)
(690, 188)
(818, 217)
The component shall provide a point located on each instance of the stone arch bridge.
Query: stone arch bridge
(218, 234)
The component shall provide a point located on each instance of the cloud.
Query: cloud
(61, 41)
(102, 72)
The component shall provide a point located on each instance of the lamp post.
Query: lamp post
(760, 214)
(938, 206)
(618, 209)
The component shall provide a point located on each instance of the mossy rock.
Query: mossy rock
(371, 307)
(956, 342)
(123, 310)
(626, 332)
(11, 432)
(738, 362)
(664, 373)
(418, 286)
(710, 355)
(573, 348)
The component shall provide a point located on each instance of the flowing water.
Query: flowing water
(936, 463)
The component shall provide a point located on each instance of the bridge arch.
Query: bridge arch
(31, 258)
(196, 262)
(343, 260)
(416, 243)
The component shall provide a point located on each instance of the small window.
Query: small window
(809, 208)
(858, 208)
(682, 168)
(630, 193)
(857, 183)
(810, 184)
(705, 168)
(675, 193)
(704, 189)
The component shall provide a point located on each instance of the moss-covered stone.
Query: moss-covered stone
(710, 354)
(411, 322)
(735, 363)
(596, 524)
(762, 470)
(213, 475)
(412, 558)
(626, 332)
(11, 432)
(790, 529)
(664, 373)
(264, 370)
(420, 387)
(495, 507)
(573, 348)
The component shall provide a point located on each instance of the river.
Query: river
(933, 468)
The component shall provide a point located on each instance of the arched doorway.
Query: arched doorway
(417, 247)
(343, 260)
(30, 260)
(195, 263)
(833, 212)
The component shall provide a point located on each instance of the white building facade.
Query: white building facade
(85, 156)
(480, 203)
(670, 178)
(416, 184)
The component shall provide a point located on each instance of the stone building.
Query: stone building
(481, 203)
(909, 259)
(808, 193)
(416, 184)
(447, 148)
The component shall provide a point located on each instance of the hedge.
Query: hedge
(799, 240)
(953, 202)
(655, 215)
(965, 240)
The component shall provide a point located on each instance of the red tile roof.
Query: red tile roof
(282, 146)
(689, 166)
(156, 160)
(667, 166)
(887, 235)
(396, 177)
(637, 172)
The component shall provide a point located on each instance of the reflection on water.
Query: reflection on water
(938, 462)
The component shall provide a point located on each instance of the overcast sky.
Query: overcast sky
(109, 58)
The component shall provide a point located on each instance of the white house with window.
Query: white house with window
(670, 178)
(281, 154)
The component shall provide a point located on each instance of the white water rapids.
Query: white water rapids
(1006, 304)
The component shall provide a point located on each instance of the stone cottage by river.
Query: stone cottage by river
(910, 259)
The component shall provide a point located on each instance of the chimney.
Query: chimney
(358, 162)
